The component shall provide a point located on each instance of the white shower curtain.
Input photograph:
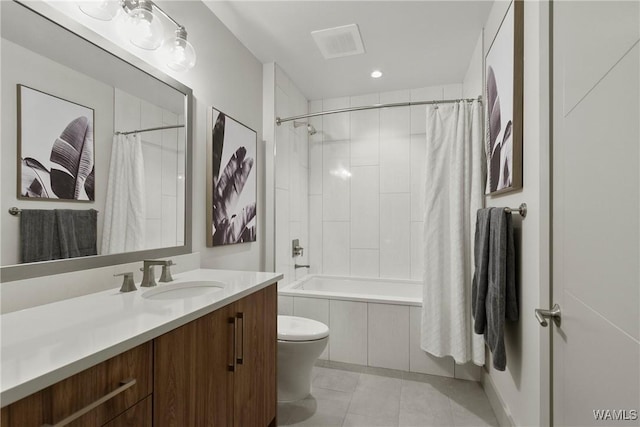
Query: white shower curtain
(124, 217)
(453, 194)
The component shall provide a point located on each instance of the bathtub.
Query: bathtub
(383, 291)
(372, 322)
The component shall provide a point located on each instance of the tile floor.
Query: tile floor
(369, 397)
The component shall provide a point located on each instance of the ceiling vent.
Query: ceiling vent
(339, 41)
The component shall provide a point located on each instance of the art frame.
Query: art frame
(56, 148)
(231, 180)
(504, 63)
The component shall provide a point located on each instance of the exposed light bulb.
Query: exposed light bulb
(144, 29)
(104, 10)
(376, 74)
(178, 52)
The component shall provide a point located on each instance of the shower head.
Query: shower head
(310, 128)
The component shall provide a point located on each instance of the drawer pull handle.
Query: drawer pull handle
(240, 359)
(232, 348)
(124, 385)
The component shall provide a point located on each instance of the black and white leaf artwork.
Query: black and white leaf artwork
(56, 147)
(90, 185)
(36, 181)
(73, 150)
(493, 105)
(229, 224)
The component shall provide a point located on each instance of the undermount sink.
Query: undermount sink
(183, 290)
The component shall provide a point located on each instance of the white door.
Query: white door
(596, 213)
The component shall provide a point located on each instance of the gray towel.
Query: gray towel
(494, 284)
(38, 235)
(77, 232)
(55, 234)
(480, 276)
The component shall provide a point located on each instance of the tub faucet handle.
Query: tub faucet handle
(296, 249)
(128, 285)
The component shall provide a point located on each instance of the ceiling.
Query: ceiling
(414, 43)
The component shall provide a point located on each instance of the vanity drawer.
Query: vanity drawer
(108, 389)
(139, 416)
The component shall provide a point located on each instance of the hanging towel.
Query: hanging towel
(453, 194)
(56, 234)
(124, 217)
(480, 277)
(38, 235)
(494, 284)
(77, 232)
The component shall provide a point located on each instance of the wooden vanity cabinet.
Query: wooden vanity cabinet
(220, 370)
(55, 403)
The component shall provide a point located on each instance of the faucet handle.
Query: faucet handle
(165, 276)
(128, 285)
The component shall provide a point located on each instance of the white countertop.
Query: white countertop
(46, 344)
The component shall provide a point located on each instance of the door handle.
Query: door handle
(542, 315)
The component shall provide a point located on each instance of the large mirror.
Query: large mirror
(94, 154)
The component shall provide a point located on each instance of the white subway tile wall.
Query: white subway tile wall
(292, 178)
(365, 184)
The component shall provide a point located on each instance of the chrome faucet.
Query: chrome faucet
(296, 266)
(148, 275)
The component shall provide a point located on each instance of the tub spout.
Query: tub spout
(296, 266)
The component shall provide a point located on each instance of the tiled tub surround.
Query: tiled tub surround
(372, 322)
(366, 184)
(46, 344)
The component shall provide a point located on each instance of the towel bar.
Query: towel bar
(16, 211)
(522, 210)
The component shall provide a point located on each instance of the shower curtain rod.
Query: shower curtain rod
(279, 121)
(149, 129)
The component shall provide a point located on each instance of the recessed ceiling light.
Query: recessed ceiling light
(376, 74)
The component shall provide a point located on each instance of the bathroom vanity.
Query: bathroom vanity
(127, 359)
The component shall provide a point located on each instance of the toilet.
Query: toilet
(300, 342)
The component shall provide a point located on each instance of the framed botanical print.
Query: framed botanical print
(231, 181)
(504, 103)
(55, 148)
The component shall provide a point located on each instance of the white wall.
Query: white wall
(366, 184)
(518, 388)
(291, 179)
(228, 77)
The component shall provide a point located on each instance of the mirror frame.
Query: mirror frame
(45, 268)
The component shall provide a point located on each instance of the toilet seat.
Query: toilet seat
(297, 329)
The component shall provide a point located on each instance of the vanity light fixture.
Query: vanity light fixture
(144, 28)
(179, 53)
(104, 10)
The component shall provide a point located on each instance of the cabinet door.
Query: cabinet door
(192, 380)
(255, 376)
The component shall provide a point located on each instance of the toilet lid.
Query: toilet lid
(291, 328)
